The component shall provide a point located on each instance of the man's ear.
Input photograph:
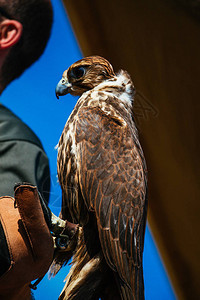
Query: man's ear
(10, 33)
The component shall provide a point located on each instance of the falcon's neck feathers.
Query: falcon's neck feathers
(120, 86)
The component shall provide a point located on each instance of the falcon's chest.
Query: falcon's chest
(67, 157)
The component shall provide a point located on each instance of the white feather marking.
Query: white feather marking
(126, 98)
(119, 81)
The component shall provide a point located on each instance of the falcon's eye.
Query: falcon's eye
(78, 72)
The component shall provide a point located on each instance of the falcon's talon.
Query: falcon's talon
(63, 233)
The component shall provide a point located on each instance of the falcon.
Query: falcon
(103, 176)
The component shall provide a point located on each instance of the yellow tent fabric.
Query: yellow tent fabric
(158, 43)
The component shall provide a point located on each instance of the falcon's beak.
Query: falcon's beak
(62, 87)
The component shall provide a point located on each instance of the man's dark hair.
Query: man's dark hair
(36, 18)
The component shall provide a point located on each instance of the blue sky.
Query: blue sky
(32, 98)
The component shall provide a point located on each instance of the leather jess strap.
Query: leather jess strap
(28, 238)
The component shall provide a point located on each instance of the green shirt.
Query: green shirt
(22, 157)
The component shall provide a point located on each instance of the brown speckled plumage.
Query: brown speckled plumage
(102, 172)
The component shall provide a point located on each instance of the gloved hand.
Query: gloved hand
(26, 244)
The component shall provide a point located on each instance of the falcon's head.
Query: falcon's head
(84, 75)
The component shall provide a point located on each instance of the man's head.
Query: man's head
(25, 26)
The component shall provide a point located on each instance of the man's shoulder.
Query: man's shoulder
(13, 128)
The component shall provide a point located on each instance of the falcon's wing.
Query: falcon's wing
(112, 183)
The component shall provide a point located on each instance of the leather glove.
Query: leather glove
(26, 244)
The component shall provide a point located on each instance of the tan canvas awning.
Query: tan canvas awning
(158, 43)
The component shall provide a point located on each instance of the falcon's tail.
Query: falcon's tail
(137, 290)
(85, 276)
